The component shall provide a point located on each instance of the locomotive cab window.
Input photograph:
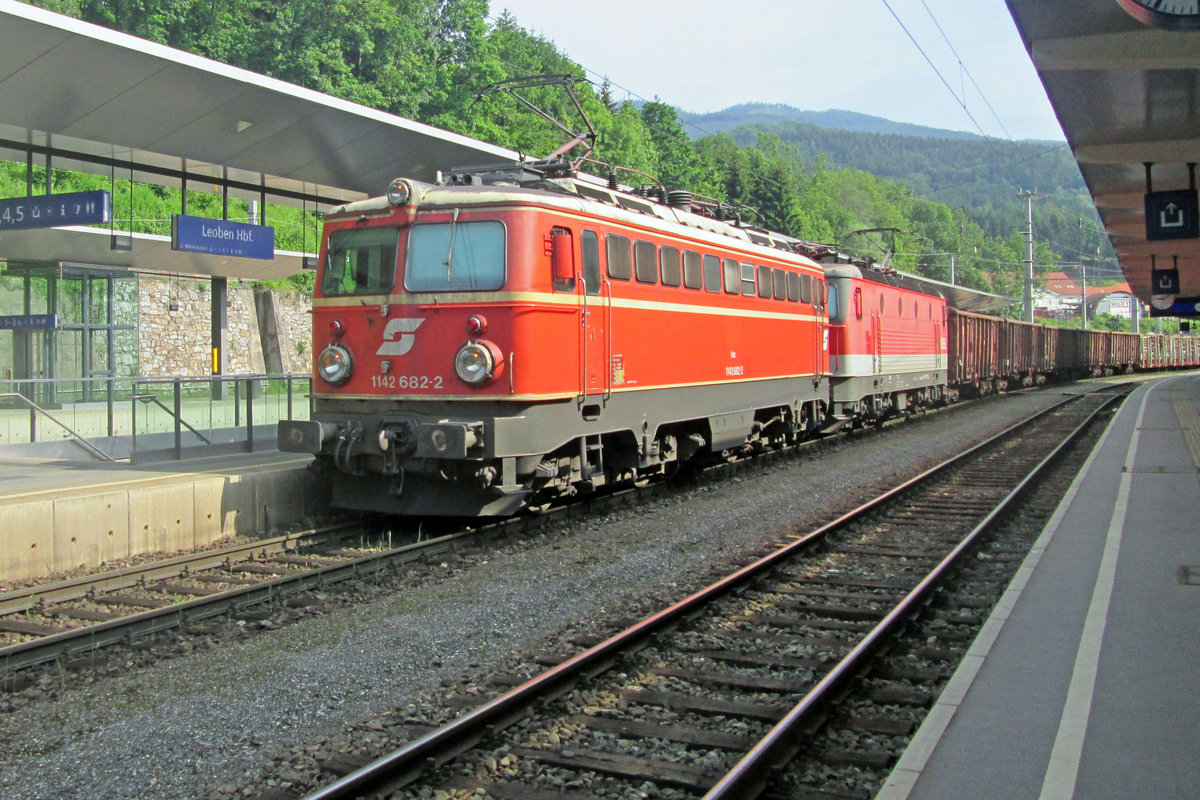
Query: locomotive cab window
(455, 257)
(793, 287)
(620, 260)
(836, 312)
(806, 288)
(360, 261)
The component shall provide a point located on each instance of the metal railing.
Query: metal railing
(35, 409)
(134, 417)
(235, 412)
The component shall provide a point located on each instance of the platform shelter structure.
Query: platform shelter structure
(1127, 94)
(76, 96)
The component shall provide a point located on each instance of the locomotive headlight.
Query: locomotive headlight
(334, 365)
(398, 192)
(475, 363)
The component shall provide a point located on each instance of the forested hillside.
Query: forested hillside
(433, 60)
(982, 176)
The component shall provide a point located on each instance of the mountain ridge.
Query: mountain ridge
(742, 114)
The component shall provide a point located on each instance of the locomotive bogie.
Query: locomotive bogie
(493, 459)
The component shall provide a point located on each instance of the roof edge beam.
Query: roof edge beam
(1166, 151)
(1130, 50)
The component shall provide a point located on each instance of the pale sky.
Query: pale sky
(705, 55)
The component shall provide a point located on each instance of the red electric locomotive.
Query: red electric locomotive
(887, 348)
(515, 334)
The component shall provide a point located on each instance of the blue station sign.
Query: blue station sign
(28, 322)
(52, 210)
(221, 237)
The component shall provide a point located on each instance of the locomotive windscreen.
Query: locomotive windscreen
(361, 261)
(455, 257)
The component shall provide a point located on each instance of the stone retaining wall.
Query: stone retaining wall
(175, 329)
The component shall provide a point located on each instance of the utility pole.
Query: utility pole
(1083, 300)
(1028, 196)
(952, 268)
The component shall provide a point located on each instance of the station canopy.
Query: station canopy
(1126, 94)
(104, 102)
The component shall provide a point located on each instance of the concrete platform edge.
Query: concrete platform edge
(60, 530)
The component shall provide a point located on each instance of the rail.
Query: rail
(439, 746)
(78, 439)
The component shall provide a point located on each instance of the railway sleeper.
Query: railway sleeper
(626, 767)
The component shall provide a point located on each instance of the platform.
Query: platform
(58, 515)
(1084, 682)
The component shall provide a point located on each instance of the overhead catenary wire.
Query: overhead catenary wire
(960, 100)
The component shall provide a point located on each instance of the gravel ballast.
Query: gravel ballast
(203, 724)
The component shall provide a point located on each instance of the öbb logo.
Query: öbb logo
(399, 337)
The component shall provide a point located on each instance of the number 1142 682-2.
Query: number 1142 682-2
(406, 381)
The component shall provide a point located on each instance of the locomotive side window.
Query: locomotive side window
(645, 260)
(764, 281)
(620, 260)
(591, 262)
(712, 274)
(806, 288)
(668, 263)
(733, 281)
(455, 256)
(748, 280)
(819, 292)
(793, 286)
(779, 278)
(693, 274)
(360, 261)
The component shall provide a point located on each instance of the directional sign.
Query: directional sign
(50, 210)
(1172, 215)
(28, 322)
(1164, 281)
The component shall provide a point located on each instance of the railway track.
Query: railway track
(66, 620)
(716, 695)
